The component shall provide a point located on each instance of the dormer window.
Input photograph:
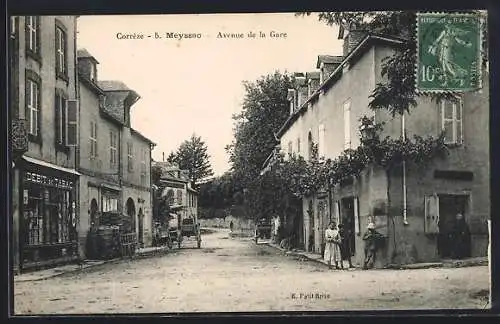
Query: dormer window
(93, 74)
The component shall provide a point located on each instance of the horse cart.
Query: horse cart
(183, 229)
(263, 229)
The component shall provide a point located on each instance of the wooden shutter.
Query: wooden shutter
(58, 118)
(337, 212)
(431, 222)
(357, 228)
(72, 123)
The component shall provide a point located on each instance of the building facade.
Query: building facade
(175, 184)
(406, 203)
(44, 133)
(115, 160)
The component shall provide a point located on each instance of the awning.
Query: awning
(112, 187)
(50, 165)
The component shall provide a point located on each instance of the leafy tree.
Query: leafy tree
(265, 109)
(171, 157)
(192, 156)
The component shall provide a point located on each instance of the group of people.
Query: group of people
(338, 245)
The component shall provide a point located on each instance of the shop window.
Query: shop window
(109, 204)
(47, 215)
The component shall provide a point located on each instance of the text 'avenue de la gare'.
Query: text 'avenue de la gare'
(220, 35)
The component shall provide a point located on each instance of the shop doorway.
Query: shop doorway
(141, 228)
(347, 220)
(449, 207)
(131, 214)
(94, 214)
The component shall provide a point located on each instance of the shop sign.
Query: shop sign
(48, 180)
(19, 136)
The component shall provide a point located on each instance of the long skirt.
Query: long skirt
(332, 253)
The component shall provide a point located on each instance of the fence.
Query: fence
(128, 244)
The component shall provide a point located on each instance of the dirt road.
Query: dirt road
(235, 275)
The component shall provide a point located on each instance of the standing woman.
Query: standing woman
(332, 248)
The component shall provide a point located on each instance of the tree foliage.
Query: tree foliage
(303, 178)
(192, 156)
(265, 109)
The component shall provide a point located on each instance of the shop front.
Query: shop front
(48, 227)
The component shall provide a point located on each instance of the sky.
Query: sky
(195, 85)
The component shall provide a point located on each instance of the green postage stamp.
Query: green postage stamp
(448, 52)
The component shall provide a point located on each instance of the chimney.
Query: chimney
(352, 39)
(312, 82)
(87, 65)
(327, 64)
(301, 85)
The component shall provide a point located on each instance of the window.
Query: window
(60, 52)
(130, 156)
(93, 78)
(113, 148)
(298, 145)
(13, 27)
(60, 108)
(109, 204)
(310, 146)
(451, 120)
(347, 124)
(179, 197)
(32, 34)
(33, 106)
(93, 139)
(143, 161)
(321, 141)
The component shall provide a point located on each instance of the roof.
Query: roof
(83, 53)
(135, 132)
(329, 59)
(312, 75)
(360, 49)
(113, 85)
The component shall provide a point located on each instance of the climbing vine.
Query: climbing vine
(302, 178)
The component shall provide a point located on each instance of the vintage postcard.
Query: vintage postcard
(270, 162)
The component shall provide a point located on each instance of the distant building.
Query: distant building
(175, 184)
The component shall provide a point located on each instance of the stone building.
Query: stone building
(115, 159)
(175, 184)
(407, 202)
(43, 107)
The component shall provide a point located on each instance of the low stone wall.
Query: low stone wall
(239, 224)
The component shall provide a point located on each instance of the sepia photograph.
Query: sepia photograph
(236, 163)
